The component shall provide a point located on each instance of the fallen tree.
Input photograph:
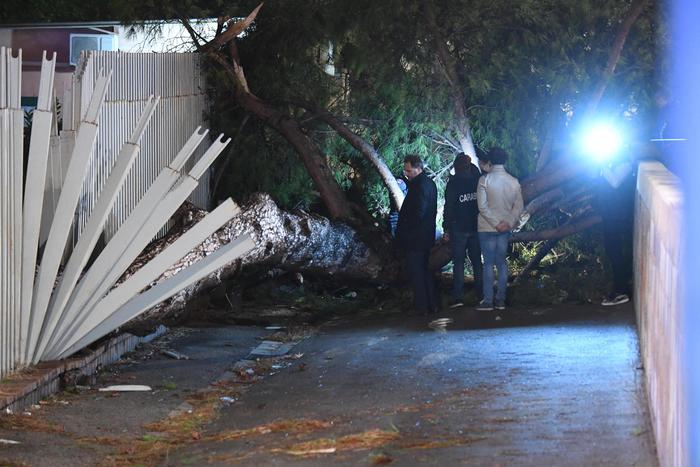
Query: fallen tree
(300, 242)
(353, 249)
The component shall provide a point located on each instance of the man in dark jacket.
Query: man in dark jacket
(415, 233)
(460, 226)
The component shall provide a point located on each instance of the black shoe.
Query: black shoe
(456, 303)
(484, 306)
(616, 299)
(500, 305)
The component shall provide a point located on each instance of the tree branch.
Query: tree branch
(452, 77)
(614, 57)
(570, 228)
(367, 150)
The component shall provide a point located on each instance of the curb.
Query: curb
(30, 385)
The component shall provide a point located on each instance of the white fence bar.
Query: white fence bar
(88, 239)
(115, 249)
(116, 263)
(42, 120)
(166, 289)
(60, 227)
(7, 348)
(154, 268)
(11, 175)
(75, 182)
(177, 79)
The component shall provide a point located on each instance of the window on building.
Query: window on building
(81, 42)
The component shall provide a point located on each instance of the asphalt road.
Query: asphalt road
(552, 386)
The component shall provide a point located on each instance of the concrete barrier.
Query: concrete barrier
(659, 305)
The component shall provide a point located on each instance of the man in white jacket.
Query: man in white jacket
(500, 203)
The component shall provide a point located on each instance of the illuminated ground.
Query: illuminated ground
(557, 386)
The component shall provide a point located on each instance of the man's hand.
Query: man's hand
(503, 226)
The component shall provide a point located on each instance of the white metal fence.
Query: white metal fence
(177, 79)
(99, 167)
(11, 150)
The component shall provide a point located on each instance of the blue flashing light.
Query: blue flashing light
(601, 141)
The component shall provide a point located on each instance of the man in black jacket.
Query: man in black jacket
(415, 233)
(460, 226)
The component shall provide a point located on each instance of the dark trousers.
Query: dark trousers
(617, 238)
(462, 243)
(425, 299)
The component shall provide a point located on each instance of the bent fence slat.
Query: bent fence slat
(101, 177)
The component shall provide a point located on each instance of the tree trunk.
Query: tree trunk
(367, 150)
(447, 63)
(565, 230)
(615, 52)
(535, 261)
(550, 177)
(297, 242)
(315, 163)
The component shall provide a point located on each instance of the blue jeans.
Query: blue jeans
(461, 243)
(494, 247)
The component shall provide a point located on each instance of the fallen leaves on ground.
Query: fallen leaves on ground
(355, 442)
(18, 422)
(286, 426)
(440, 443)
(381, 459)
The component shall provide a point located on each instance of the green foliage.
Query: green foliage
(524, 67)
(574, 271)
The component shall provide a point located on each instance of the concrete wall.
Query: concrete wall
(659, 306)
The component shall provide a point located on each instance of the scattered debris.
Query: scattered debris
(312, 451)
(272, 348)
(174, 354)
(352, 294)
(184, 408)
(227, 400)
(274, 328)
(9, 441)
(126, 388)
(170, 386)
(297, 426)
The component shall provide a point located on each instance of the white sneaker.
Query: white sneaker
(616, 299)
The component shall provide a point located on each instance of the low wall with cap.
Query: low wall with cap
(659, 306)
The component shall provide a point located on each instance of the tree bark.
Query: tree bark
(293, 241)
(565, 230)
(614, 57)
(447, 64)
(315, 163)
